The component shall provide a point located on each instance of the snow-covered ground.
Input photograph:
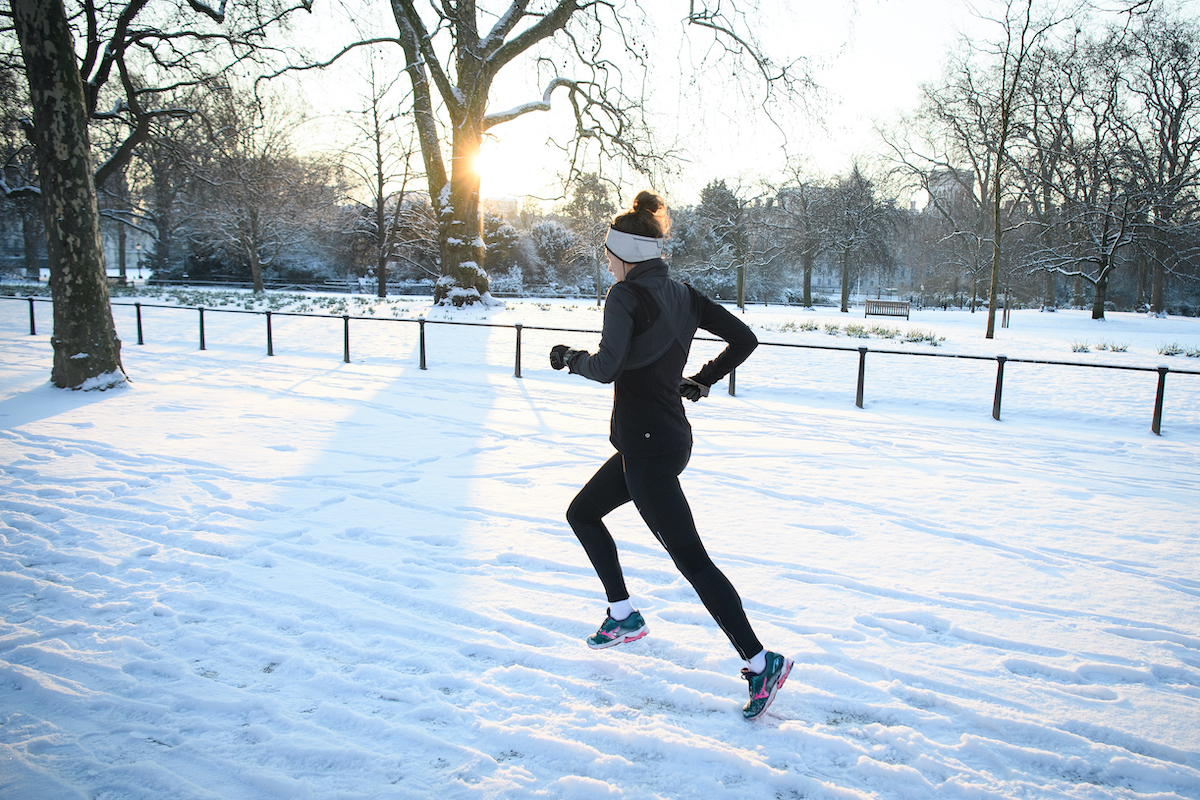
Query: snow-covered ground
(271, 577)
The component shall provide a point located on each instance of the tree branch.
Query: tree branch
(547, 26)
(410, 23)
(491, 120)
(218, 14)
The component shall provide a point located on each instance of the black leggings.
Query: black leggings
(653, 485)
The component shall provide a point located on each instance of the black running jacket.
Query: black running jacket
(649, 322)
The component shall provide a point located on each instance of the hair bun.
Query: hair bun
(647, 201)
(646, 217)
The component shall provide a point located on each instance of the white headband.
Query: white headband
(632, 248)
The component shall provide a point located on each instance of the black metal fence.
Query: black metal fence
(1000, 360)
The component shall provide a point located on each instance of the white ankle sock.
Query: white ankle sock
(758, 663)
(621, 609)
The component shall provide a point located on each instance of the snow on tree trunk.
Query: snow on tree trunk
(463, 279)
(87, 352)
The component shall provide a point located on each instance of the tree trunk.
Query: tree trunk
(1049, 292)
(427, 132)
(807, 261)
(121, 236)
(33, 233)
(381, 269)
(1140, 300)
(161, 260)
(997, 229)
(256, 275)
(463, 279)
(383, 231)
(253, 253)
(1156, 290)
(87, 352)
(1101, 294)
(845, 281)
(163, 200)
(381, 287)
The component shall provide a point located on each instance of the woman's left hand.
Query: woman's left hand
(692, 389)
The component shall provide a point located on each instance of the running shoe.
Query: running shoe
(614, 632)
(763, 685)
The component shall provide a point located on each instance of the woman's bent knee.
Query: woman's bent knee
(581, 512)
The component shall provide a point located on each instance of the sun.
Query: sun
(492, 170)
(508, 170)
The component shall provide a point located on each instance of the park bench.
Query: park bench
(886, 308)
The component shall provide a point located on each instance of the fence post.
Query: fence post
(733, 382)
(346, 337)
(1156, 423)
(422, 323)
(862, 375)
(202, 328)
(270, 339)
(517, 371)
(138, 306)
(32, 319)
(999, 386)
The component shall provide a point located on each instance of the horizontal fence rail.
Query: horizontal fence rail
(421, 322)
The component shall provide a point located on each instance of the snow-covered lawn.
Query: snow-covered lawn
(252, 577)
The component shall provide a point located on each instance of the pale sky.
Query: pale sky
(869, 55)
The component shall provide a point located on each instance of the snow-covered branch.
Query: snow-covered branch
(538, 105)
(216, 14)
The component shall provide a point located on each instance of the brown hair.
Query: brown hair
(646, 217)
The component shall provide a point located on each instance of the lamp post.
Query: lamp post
(138, 248)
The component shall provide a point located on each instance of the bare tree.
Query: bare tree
(594, 38)
(254, 197)
(947, 150)
(857, 226)
(1038, 155)
(792, 225)
(1162, 71)
(381, 162)
(1099, 202)
(1022, 32)
(161, 173)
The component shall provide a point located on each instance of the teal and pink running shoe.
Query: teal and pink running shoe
(764, 685)
(614, 632)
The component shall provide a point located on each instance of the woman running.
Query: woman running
(649, 322)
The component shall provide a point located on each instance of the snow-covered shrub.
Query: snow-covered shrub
(510, 282)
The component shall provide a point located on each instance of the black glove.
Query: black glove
(561, 355)
(692, 389)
